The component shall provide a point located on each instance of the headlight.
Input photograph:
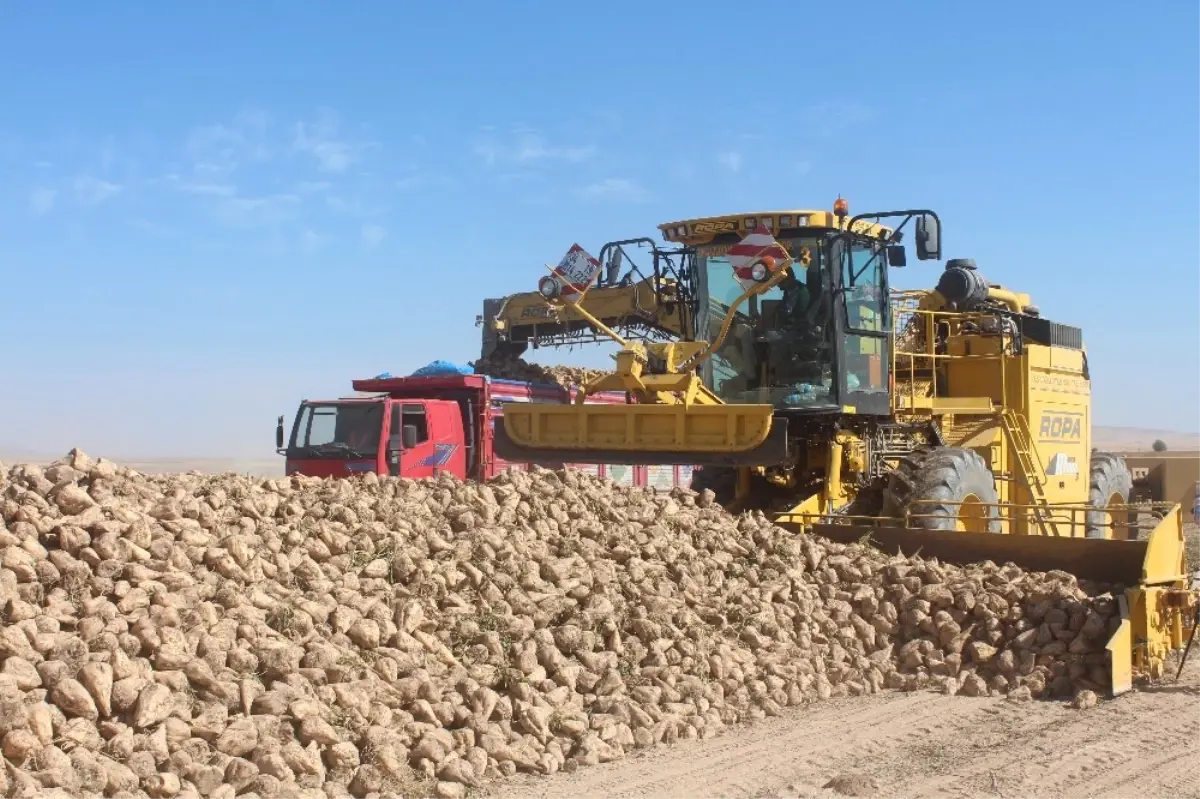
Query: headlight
(759, 272)
(548, 287)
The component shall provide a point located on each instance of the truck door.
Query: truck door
(412, 458)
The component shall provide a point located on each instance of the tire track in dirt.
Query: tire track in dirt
(1146, 744)
(1132, 743)
(1053, 750)
(807, 745)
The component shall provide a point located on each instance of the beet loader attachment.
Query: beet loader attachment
(1142, 564)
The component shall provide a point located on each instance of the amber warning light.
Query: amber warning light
(841, 207)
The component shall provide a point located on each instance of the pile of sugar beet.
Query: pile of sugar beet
(508, 367)
(219, 636)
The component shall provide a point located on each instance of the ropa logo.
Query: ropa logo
(537, 312)
(714, 227)
(1061, 427)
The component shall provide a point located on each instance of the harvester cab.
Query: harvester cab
(815, 339)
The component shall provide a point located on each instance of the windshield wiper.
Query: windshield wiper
(337, 447)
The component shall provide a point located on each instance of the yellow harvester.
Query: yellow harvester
(955, 421)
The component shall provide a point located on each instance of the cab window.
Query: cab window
(864, 285)
(404, 415)
(864, 282)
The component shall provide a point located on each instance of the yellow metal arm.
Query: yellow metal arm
(677, 383)
(758, 288)
(594, 322)
(529, 319)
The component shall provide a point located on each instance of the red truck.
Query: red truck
(426, 426)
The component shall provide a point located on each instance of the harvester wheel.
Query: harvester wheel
(1111, 484)
(948, 488)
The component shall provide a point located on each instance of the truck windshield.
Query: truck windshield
(779, 348)
(338, 430)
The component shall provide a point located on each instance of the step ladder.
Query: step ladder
(1031, 473)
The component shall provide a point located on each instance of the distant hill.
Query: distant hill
(1135, 439)
(268, 466)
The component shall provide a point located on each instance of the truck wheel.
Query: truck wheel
(1111, 483)
(932, 484)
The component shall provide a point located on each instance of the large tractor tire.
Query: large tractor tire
(1110, 483)
(931, 484)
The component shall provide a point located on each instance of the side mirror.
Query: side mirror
(410, 436)
(896, 255)
(279, 433)
(929, 239)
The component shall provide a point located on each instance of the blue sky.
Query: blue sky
(209, 211)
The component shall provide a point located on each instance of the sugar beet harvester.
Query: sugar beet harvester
(954, 421)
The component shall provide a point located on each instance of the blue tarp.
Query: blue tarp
(442, 368)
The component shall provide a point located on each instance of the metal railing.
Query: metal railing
(1131, 521)
(921, 340)
(914, 350)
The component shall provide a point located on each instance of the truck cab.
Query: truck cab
(401, 437)
(426, 426)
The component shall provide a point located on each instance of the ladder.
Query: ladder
(1031, 473)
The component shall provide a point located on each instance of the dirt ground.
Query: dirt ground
(1145, 743)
